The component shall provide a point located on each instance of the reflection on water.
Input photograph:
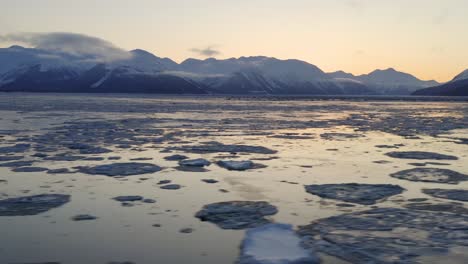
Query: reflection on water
(149, 233)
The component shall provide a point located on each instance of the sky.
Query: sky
(427, 38)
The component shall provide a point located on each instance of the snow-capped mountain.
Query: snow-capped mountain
(266, 75)
(147, 62)
(17, 57)
(36, 70)
(254, 81)
(458, 86)
(342, 74)
(128, 79)
(391, 75)
(42, 79)
(389, 81)
(285, 70)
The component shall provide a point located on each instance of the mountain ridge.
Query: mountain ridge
(458, 86)
(243, 75)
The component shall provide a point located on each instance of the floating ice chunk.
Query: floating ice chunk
(121, 169)
(274, 244)
(84, 217)
(237, 214)
(420, 155)
(29, 169)
(451, 194)
(431, 175)
(171, 187)
(176, 157)
(32, 205)
(195, 163)
(128, 198)
(18, 148)
(236, 165)
(355, 192)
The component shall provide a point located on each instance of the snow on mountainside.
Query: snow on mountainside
(389, 81)
(35, 70)
(288, 70)
(148, 62)
(29, 69)
(19, 57)
(247, 81)
(461, 76)
(392, 77)
(265, 75)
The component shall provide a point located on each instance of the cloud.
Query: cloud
(206, 52)
(73, 44)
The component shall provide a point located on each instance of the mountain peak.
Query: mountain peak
(341, 74)
(142, 52)
(391, 77)
(17, 47)
(385, 71)
(255, 58)
(462, 76)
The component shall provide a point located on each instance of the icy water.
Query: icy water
(305, 142)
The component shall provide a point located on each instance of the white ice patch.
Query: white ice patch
(102, 80)
(340, 80)
(274, 244)
(194, 76)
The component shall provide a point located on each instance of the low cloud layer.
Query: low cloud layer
(78, 45)
(206, 52)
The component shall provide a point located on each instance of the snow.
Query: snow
(286, 70)
(102, 80)
(348, 80)
(11, 76)
(71, 68)
(461, 76)
(194, 76)
(274, 244)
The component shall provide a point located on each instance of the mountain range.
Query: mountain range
(38, 70)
